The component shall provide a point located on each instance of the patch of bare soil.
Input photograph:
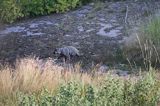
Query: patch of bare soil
(97, 30)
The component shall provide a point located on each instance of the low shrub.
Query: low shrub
(32, 8)
(9, 11)
(65, 5)
(111, 92)
(146, 91)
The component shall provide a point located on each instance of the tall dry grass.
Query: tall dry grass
(31, 75)
(142, 48)
(36, 82)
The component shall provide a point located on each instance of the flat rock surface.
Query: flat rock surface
(97, 30)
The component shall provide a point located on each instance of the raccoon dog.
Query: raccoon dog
(67, 52)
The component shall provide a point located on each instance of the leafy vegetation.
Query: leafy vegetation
(151, 31)
(50, 85)
(10, 10)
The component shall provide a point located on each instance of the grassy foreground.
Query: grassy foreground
(32, 84)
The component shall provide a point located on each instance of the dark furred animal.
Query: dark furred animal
(67, 52)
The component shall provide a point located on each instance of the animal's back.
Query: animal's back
(72, 50)
(68, 51)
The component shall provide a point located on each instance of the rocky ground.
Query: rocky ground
(98, 30)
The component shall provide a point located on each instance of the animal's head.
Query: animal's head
(56, 51)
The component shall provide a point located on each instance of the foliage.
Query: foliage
(65, 5)
(146, 92)
(151, 30)
(113, 92)
(43, 99)
(9, 11)
(32, 8)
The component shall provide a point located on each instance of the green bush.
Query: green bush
(146, 91)
(38, 7)
(151, 30)
(32, 8)
(9, 11)
(43, 99)
(67, 94)
(48, 6)
(112, 92)
(65, 5)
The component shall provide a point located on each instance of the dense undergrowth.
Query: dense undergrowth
(32, 83)
(11, 10)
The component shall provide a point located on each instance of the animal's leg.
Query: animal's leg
(69, 58)
(64, 60)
